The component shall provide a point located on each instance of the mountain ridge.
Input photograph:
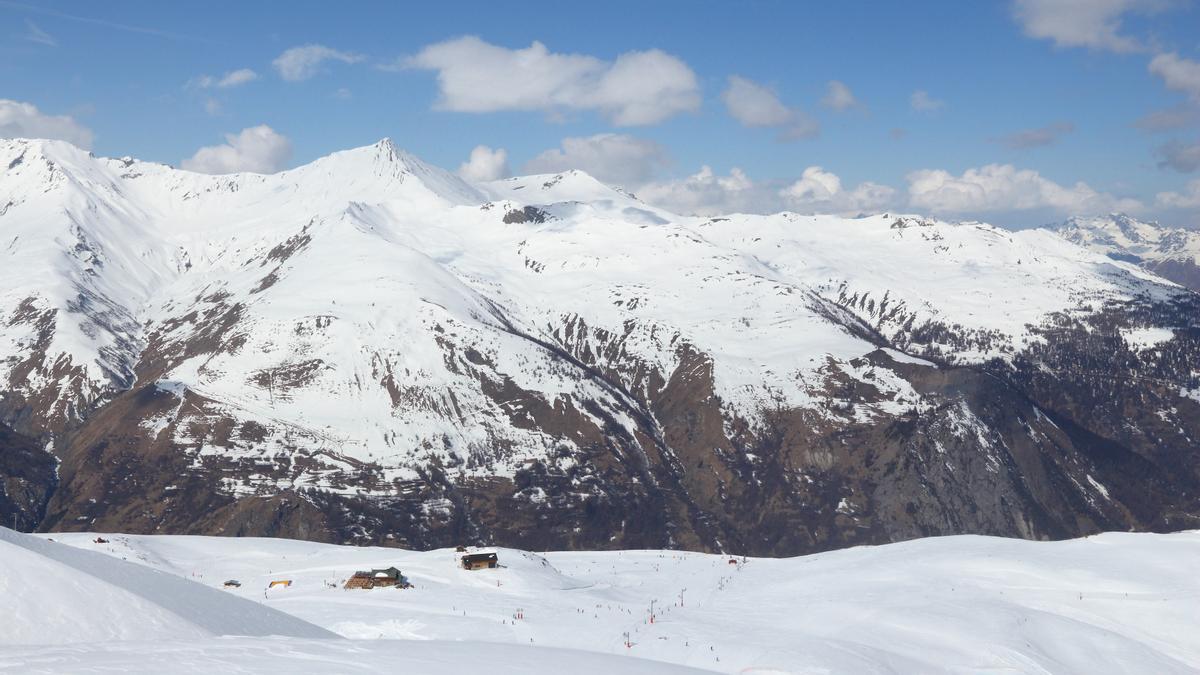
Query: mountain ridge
(343, 353)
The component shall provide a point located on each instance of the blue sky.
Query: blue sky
(1023, 101)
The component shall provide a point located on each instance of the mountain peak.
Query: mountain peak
(385, 161)
(572, 185)
(19, 150)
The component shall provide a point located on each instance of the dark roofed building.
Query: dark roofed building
(389, 576)
(479, 561)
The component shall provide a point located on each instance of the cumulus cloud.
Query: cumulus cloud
(618, 159)
(1003, 187)
(816, 191)
(1188, 199)
(638, 88)
(1095, 24)
(1178, 155)
(36, 34)
(233, 78)
(257, 149)
(24, 120)
(707, 194)
(819, 191)
(755, 105)
(992, 191)
(1033, 138)
(1178, 73)
(921, 101)
(838, 96)
(301, 63)
(485, 164)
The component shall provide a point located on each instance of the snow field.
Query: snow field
(1113, 603)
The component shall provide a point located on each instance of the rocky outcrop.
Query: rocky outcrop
(27, 480)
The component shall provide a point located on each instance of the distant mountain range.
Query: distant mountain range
(368, 349)
(1171, 253)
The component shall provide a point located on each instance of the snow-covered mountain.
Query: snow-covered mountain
(367, 348)
(1173, 253)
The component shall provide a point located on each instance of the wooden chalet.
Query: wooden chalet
(480, 561)
(377, 579)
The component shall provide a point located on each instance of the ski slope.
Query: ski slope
(1112, 603)
(68, 610)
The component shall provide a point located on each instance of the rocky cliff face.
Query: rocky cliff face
(27, 479)
(367, 349)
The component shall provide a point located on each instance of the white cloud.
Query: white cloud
(637, 88)
(618, 159)
(1178, 155)
(236, 78)
(485, 164)
(992, 191)
(1178, 73)
(233, 78)
(38, 35)
(301, 63)
(815, 184)
(212, 106)
(819, 191)
(921, 101)
(24, 120)
(816, 191)
(838, 96)
(1033, 138)
(1003, 187)
(256, 149)
(1095, 24)
(707, 194)
(755, 105)
(1188, 199)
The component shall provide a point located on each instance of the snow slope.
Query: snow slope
(69, 610)
(300, 657)
(1112, 603)
(51, 593)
